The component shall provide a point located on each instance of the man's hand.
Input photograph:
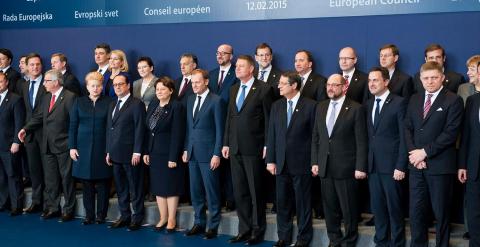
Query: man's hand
(146, 159)
(315, 170)
(398, 175)
(108, 160)
(74, 154)
(226, 152)
(136, 159)
(185, 157)
(360, 174)
(214, 162)
(172, 164)
(462, 175)
(272, 168)
(21, 135)
(14, 148)
(416, 156)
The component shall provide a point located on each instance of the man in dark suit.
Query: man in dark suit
(288, 157)
(339, 157)
(54, 117)
(387, 158)
(70, 82)
(125, 131)
(266, 71)
(432, 124)
(183, 87)
(313, 85)
(245, 143)
(436, 53)
(13, 76)
(32, 92)
(400, 83)
(102, 56)
(12, 118)
(221, 80)
(22, 65)
(203, 149)
(357, 81)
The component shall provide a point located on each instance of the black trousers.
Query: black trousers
(35, 167)
(294, 190)
(129, 185)
(100, 187)
(58, 174)
(247, 174)
(436, 189)
(11, 180)
(473, 214)
(340, 202)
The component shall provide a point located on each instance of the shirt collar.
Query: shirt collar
(204, 94)
(225, 68)
(4, 94)
(124, 98)
(57, 93)
(5, 69)
(434, 94)
(384, 96)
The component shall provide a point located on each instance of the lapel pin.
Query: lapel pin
(296, 109)
(253, 88)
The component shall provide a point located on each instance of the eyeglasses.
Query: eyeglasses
(118, 84)
(335, 85)
(47, 80)
(222, 53)
(345, 58)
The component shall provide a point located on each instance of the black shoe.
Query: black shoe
(466, 236)
(229, 206)
(87, 221)
(27, 183)
(210, 234)
(134, 227)
(159, 228)
(370, 222)
(254, 240)
(49, 215)
(2, 208)
(196, 229)
(16, 212)
(66, 217)
(171, 230)
(151, 198)
(119, 224)
(301, 243)
(239, 238)
(281, 243)
(99, 221)
(34, 208)
(274, 209)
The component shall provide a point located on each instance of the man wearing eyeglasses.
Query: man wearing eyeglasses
(339, 158)
(400, 83)
(356, 81)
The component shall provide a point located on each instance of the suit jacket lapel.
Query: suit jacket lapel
(205, 104)
(435, 105)
(250, 95)
(124, 106)
(5, 102)
(370, 105)
(297, 109)
(57, 101)
(323, 116)
(343, 110)
(385, 105)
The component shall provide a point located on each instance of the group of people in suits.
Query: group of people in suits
(234, 124)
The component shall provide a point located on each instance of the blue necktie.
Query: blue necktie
(289, 112)
(331, 119)
(262, 75)
(241, 98)
(377, 113)
(30, 93)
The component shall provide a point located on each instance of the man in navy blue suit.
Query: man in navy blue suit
(12, 118)
(432, 124)
(205, 126)
(102, 56)
(125, 131)
(387, 158)
(288, 157)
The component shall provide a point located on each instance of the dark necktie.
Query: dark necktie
(220, 82)
(289, 112)
(52, 103)
(1, 100)
(30, 93)
(184, 88)
(197, 108)
(100, 71)
(241, 98)
(262, 75)
(427, 106)
(154, 118)
(347, 82)
(117, 108)
(377, 113)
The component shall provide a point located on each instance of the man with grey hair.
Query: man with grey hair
(53, 116)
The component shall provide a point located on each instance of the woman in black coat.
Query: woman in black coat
(165, 136)
(87, 137)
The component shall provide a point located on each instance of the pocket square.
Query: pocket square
(440, 109)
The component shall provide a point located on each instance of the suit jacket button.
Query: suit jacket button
(112, 128)
(153, 134)
(421, 129)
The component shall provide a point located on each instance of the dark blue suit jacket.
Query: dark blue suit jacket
(469, 156)
(437, 133)
(205, 131)
(291, 145)
(125, 132)
(386, 142)
(183, 97)
(12, 118)
(228, 81)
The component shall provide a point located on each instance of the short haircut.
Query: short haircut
(247, 58)
(124, 76)
(7, 53)
(33, 55)
(308, 53)
(203, 72)
(104, 46)
(473, 61)
(263, 46)
(293, 77)
(434, 47)
(192, 56)
(56, 75)
(383, 71)
(393, 47)
(93, 76)
(61, 56)
(166, 82)
(431, 66)
(147, 60)
(122, 55)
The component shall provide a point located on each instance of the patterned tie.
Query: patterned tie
(220, 82)
(241, 98)
(52, 103)
(30, 93)
(427, 106)
(154, 118)
(117, 108)
(289, 112)
(197, 108)
(184, 88)
(347, 83)
(377, 113)
(262, 75)
(331, 119)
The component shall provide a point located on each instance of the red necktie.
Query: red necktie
(52, 103)
(220, 82)
(347, 83)
(182, 91)
(427, 106)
